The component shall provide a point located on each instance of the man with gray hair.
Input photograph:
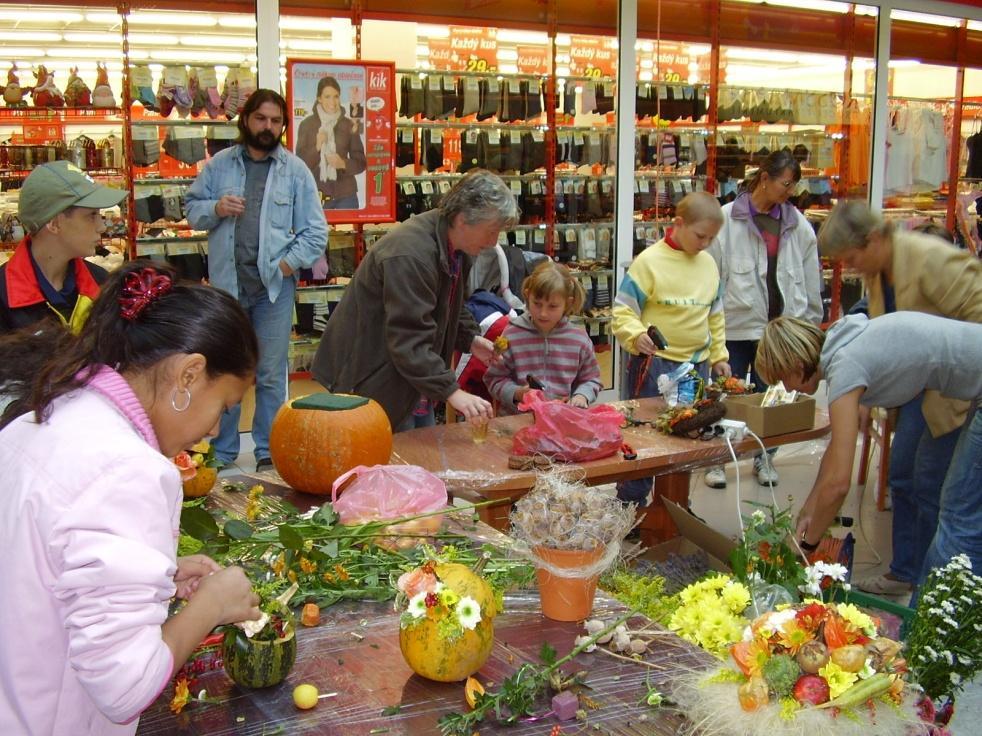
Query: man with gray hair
(402, 316)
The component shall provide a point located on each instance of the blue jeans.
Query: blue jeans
(918, 465)
(960, 518)
(742, 356)
(273, 323)
(343, 203)
(424, 418)
(636, 491)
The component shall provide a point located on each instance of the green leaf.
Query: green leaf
(325, 515)
(237, 529)
(547, 655)
(198, 523)
(371, 580)
(391, 710)
(291, 538)
(330, 549)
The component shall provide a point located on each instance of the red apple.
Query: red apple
(811, 689)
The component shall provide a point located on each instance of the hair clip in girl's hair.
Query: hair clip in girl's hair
(140, 288)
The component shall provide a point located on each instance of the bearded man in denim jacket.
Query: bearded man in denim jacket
(260, 206)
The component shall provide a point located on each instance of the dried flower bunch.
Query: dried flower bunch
(562, 513)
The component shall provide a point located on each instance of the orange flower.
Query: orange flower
(279, 564)
(792, 636)
(181, 695)
(327, 577)
(306, 566)
(416, 581)
(750, 656)
(185, 465)
(341, 572)
(810, 616)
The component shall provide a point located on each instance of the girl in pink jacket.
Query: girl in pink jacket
(91, 504)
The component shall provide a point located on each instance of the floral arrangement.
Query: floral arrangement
(809, 667)
(422, 595)
(764, 556)
(945, 641)
(711, 613)
(683, 420)
(728, 385)
(201, 455)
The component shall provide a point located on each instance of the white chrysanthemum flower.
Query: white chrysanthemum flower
(581, 640)
(468, 612)
(758, 516)
(956, 679)
(417, 605)
(813, 581)
(833, 570)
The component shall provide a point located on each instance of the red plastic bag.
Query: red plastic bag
(386, 492)
(567, 433)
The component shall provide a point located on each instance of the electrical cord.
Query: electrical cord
(739, 508)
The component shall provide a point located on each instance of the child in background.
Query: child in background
(675, 287)
(543, 343)
(92, 502)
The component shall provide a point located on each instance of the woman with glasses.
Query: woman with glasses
(767, 255)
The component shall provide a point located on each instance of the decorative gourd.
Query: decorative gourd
(202, 482)
(436, 657)
(317, 438)
(251, 663)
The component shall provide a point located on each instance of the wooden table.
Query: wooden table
(355, 653)
(480, 471)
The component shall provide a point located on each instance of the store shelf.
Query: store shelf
(163, 181)
(179, 121)
(66, 115)
(14, 174)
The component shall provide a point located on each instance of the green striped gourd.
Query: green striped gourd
(254, 664)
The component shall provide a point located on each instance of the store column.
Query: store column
(268, 44)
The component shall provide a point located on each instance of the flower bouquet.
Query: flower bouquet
(813, 667)
(728, 385)
(687, 421)
(199, 469)
(573, 533)
(446, 627)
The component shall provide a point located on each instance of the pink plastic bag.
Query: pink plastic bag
(386, 492)
(568, 433)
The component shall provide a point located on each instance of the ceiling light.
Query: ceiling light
(19, 52)
(303, 23)
(934, 20)
(314, 44)
(562, 71)
(237, 21)
(422, 49)
(508, 68)
(84, 53)
(761, 55)
(152, 39)
(75, 37)
(507, 55)
(523, 37)
(40, 16)
(172, 19)
(233, 42)
(110, 19)
(647, 63)
(22, 36)
(646, 76)
(192, 56)
(698, 49)
(563, 39)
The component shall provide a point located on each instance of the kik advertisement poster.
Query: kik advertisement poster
(343, 127)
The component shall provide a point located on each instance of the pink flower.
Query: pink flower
(417, 581)
(186, 465)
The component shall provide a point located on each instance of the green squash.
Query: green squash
(255, 664)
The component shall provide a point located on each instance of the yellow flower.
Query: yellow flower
(255, 492)
(341, 572)
(291, 576)
(279, 565)
(252, 509)
(448, 597)
(181, 695)
(736, 597)
(838, 679)
(327, 577)
(307, 566)
(857, 618)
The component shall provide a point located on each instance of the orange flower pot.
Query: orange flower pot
(567, 599)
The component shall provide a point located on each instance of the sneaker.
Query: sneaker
(766, 475)
(264, 463)
(882, 585)
(716, 477)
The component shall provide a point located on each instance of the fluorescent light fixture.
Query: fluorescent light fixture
(538, 37)
(221, 69)
(507, 55)
(563, 59)
(41, 16)
(153, 39)
(20, 52)
(225, 42)
(27, 36)
(190, 56)
(975, 25)
(647, 63)
(85, 53)
(312, 44)
(508, 68)
(646, 76)
(111, 38)
(237, 21)
(826, 5)
(304, 23)
(173, 19)
(895, 63)
(430, 31)
(563, 39)
(422, 49)
(104, 19)
(646, 46)
(698, 49)
(761, 55)
(934, 20)
(156, 68)
(562, 71)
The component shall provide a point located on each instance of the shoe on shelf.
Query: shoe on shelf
(716, 477)
(766, 475)
(882, 585)
(264, 463)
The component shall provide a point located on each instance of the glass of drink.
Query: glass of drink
(479, 429)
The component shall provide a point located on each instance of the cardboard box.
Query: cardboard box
(694, 536)
(771, 420)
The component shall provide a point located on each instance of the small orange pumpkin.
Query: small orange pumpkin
(317, 438)
(202, 482)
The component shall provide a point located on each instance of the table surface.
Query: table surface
(369, 674)
(450, 452)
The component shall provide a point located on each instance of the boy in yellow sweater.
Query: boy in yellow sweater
(674, 286)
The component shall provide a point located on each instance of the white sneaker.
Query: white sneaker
(766, 475)
(716, 477)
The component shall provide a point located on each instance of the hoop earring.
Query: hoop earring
(173, 400)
